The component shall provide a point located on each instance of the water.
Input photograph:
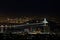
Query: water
(7, 36)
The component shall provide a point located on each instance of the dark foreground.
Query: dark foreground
(10, 36)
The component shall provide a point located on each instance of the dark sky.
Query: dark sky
(29, 7)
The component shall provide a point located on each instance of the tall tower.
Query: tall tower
(2, 29)
(46, 28)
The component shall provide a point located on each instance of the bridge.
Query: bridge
(27, 24)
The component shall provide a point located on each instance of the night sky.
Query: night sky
(29, 7)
